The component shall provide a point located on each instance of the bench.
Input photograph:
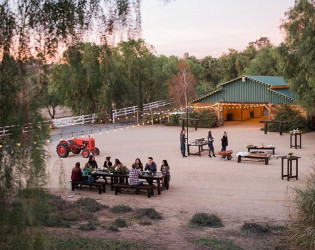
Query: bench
(253, 156)
(99, 185)
(119, 186)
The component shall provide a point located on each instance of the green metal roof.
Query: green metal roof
(256, 89)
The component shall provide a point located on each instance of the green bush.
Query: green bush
(87, 227)
(260, 229)
(151, 213)
(121, 209)
(89, 204)
(120, 222)
(207, 119)
(173, 120)
(293, 117)
(112, 228)
(217, 244)
(302, 231)
(205, 220)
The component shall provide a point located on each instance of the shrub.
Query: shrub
(293, 117)
(87, 227)
(302, 231)
(151, 213)
(205, 220)
(207, 119)
(260, 229)
(214, 244)
(54, 220)
(173, 120)
(145, 222)
(112, 228)
(120, 222)
(89, 204)
(121, 209)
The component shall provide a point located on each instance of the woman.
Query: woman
(107, 163)
(86, 172)
(165, 168)
(224, 142)
(92, 162)
(139, 164)
(210, 144)
(76, 174)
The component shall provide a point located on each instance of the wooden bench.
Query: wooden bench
(254, 156)
(99, 185)
(119, 186)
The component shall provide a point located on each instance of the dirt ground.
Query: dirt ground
(237, 192)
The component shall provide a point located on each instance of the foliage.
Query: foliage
(145, 222)
(151, 213)
(207, 119)
(111, 227)
(89, 205)
(302, 229)
(120, 222)
(205, 220)
(174, 120)
(297, 52)
(214, 244)
(293, 117)
(260, 229)
(121, 209)
(87, 226)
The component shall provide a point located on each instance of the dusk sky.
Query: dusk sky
(210, 27)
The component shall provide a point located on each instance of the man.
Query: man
(151, 166)
(183, 142)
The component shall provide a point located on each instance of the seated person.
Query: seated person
(107, 163)
(76, 174)
(134, 176)
(165, 168)
(92, 162)
(86, 172)
(151, 166)
(139, 164)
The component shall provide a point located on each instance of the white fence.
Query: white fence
(132, 110)
(73, 120)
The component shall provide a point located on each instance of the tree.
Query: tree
(297, 52)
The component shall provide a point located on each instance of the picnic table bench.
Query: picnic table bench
(200, 148)
(262, 148)
(264, 157)
(99, 185)
(119, 186)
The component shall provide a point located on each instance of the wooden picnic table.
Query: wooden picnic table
(200, 148)
(289, 173)
(262, 148)
(116, 177)
(264, 157)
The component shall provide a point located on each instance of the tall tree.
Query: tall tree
(298, 52)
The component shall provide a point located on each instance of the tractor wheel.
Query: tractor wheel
(76, 151)
(85, 153)
(96, 151)
(62, 150)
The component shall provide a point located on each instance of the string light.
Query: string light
(121, 128)
(18, 144)
(61, 137)
(100, 131)
(82, 134)
(115, 129)
(107, 131)
(91, 134)
(35, 142)
(47, 140)
(1, 145)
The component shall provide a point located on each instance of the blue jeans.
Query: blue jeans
(139, 183)
(223, 149)
(183, 148)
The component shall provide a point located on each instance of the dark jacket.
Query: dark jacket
(151, 167)
(107, 164)
(93, 164)
(224, 141)
(182, 138)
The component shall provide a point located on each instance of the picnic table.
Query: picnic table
(290, 160)
(116, 177)
(261, 148)
(200, 148)
(255, 155)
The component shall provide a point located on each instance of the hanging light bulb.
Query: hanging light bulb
(47, 140)
(18, 144)
(107, 131)
(100, 131)
(35, 142)
(82, 134)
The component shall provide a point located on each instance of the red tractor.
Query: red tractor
(76, 145)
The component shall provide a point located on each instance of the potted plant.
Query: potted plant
(290, 155)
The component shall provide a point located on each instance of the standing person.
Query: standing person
(92, 162)
(134, 176)
(107, 163)
(139, 164)
(151, 166)
(224, 143)
(183, 142)
(76, 174)
(210, 144)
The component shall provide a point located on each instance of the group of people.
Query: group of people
(210, 139)
(134, 173)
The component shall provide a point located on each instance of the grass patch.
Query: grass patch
(112, 228)
(89, 204)
(120, 222)
(259, 229)
(215, 244)
(121, 209)
(151, 213)
(145, 222)
(87, 227)
(205, 220)
(78, 243)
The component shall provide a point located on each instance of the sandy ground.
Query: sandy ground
(237, 192)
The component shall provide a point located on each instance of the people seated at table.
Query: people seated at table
(92, 162)
(150, 166)
(117, 164)
(107, 163)
(134, 176)
(139, 164)
(165, 168)
(76, 174)
(86, 172)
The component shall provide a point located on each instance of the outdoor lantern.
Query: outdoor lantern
(243, 79)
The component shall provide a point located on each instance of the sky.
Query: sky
(210, 27)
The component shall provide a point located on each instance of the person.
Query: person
(165, 168)
(92, 162)
(139, 164)
(210, 144)
(151, 166)
(224, 142)
(118, 164)
(183, 142)
(134, 176)
(86, 172)
(76, 174)
(107, 163)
